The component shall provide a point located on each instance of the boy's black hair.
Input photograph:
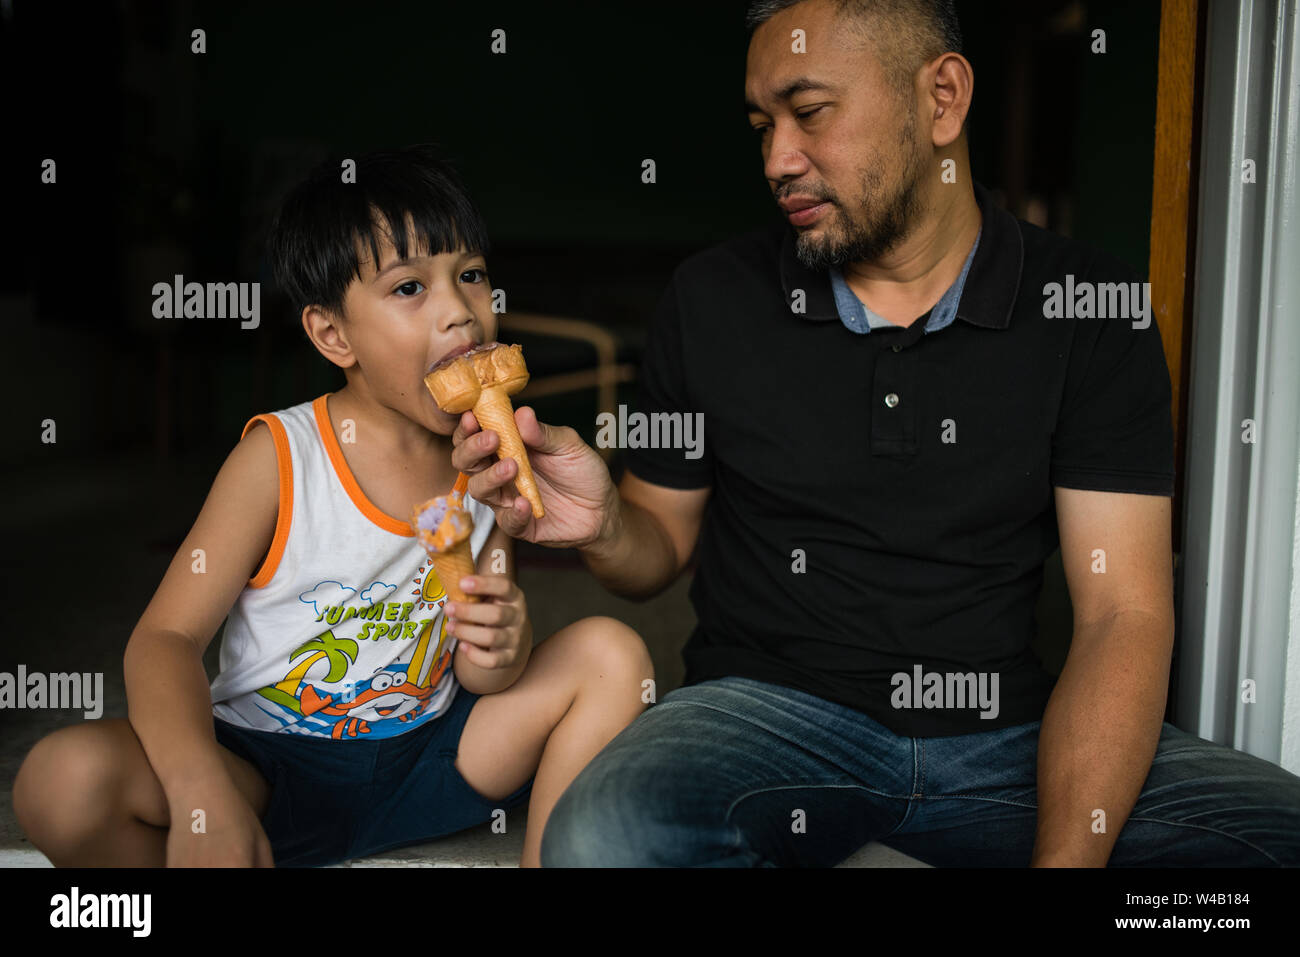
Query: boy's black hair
(316, 233)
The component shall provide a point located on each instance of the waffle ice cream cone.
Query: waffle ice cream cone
(495, 413)
(444, 526)
(453, 565)
(483, 380)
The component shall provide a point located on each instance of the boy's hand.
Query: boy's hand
(573, 480)
(490, 633)
(233, 836)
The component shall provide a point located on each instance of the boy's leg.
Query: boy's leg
(1202, 805)
(734, 772)
(581, 687)
(86, 796)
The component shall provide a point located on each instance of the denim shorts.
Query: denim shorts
(332, 801)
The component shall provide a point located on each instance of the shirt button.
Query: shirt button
(898, 348)
(891, 400)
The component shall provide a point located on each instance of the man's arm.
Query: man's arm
(649, 538)
(1102, 724)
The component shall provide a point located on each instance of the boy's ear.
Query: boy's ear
(326, 332)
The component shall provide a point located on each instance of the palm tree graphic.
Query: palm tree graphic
(339, 652)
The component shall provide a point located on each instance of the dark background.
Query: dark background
(172, 162)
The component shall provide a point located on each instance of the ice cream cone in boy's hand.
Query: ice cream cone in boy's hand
(444, 526)
(483, 380)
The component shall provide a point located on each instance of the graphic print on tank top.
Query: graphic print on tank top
(340, 634)
(399, 692)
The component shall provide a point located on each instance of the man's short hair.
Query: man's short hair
(906, 33)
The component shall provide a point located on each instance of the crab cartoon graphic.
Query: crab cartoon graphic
(389, 695)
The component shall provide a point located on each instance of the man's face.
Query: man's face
(405, 316)
(839, 147)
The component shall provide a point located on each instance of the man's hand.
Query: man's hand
(580, 499)
(232, 836)
(635, 541)
(490, 634)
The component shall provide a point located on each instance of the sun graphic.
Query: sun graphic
(430, 591)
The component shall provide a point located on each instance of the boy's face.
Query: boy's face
(405, 316)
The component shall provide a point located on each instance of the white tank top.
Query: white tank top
(340, 632)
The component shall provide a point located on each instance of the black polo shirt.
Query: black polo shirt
(884, 502)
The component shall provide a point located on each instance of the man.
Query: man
(903, 417)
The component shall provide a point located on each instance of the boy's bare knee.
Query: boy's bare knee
(44, 775)
(613, 648)
(30, 786)
(67, 786)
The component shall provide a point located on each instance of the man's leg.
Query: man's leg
(1202, 805)
(733, 772)
(1207, 805)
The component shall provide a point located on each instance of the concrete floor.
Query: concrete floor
(135, 515)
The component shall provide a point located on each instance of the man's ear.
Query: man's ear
(326, 332)
(952, 88)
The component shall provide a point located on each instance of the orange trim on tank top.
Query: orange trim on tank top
(284, 469)
(367, 508)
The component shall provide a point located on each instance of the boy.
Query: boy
(349, 716)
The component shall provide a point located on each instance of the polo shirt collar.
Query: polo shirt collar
(991, 286)
(858, 318)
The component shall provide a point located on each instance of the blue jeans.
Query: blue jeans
(717, 773)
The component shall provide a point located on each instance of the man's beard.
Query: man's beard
(881, 223)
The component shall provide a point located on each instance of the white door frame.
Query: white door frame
(1240, 567)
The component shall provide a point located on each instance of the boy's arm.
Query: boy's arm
(168, 700)
(478, 679)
